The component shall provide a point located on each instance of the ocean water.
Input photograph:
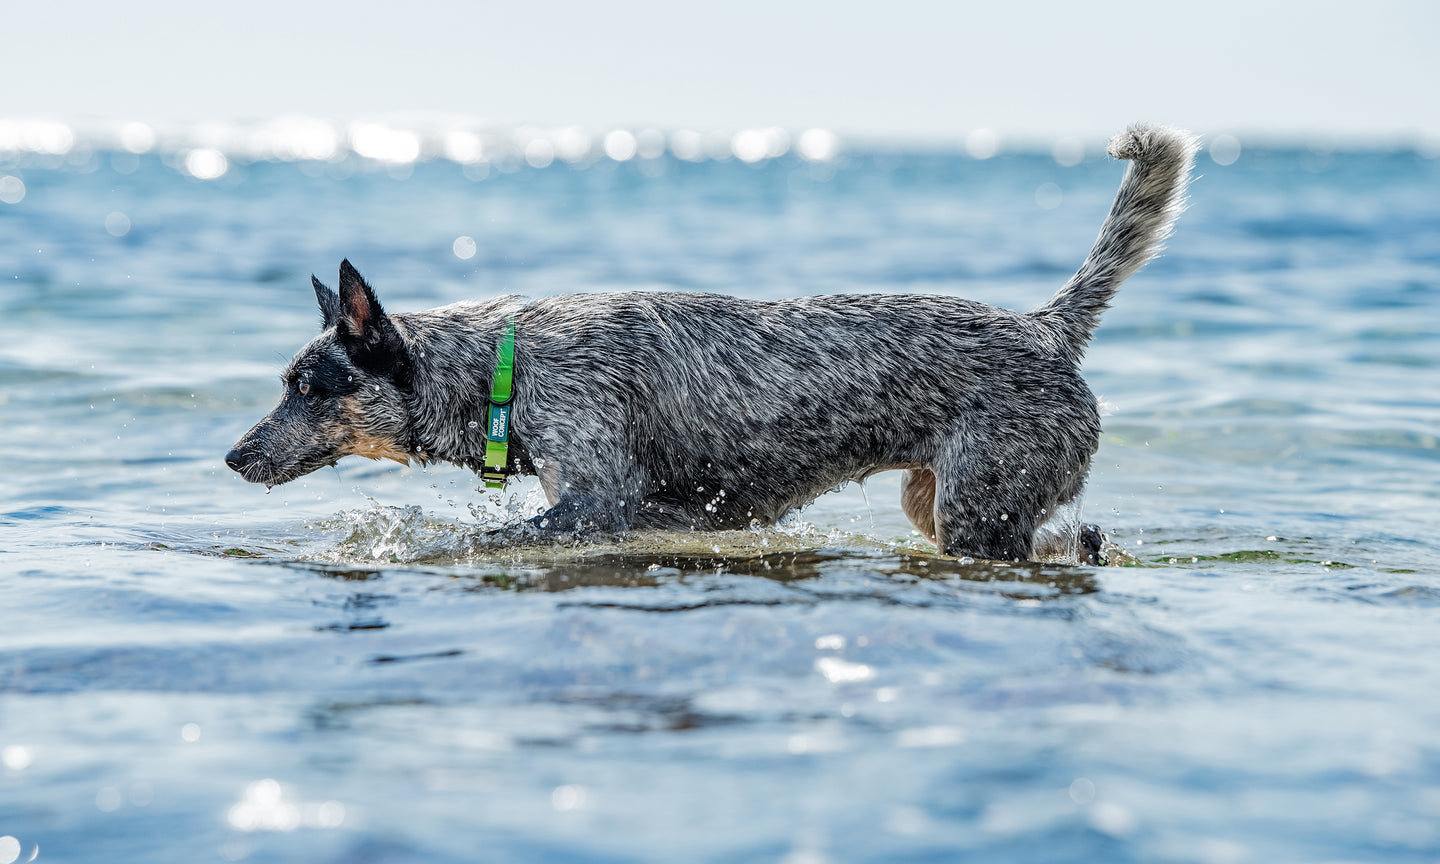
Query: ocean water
(195, 669)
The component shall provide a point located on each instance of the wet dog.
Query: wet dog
(698, 411)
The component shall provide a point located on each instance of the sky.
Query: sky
(904, 69)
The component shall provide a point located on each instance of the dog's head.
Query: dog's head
(344, 393)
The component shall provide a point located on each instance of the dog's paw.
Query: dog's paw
(1092, 541)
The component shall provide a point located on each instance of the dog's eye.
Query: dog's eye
(304, 388)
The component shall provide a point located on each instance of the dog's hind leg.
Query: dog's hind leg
(917, 499)
(987, 503)
(983, 520)
(994, 526)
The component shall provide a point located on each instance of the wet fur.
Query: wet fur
(698, 411)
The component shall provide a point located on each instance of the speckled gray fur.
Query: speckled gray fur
(685, 410)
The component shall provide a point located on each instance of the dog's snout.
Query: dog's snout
(233, 459)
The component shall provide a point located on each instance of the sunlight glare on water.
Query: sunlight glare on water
(1068, 151)
(137, 137)
(206, 163)
(982, 143)
(12, 189)
(620, 145)
(819, 145)
(1225, 149)
(384, 144)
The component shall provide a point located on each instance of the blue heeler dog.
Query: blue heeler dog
(698, 411)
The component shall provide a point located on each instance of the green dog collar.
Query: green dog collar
(497, 426)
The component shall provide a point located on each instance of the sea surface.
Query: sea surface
(196, 669)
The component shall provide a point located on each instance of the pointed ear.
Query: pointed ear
(360, 311)
(329, 304)
(368, 334)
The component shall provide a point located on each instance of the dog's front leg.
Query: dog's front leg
(597, 502)
(576, 516)
(578, 513)
(588, 473)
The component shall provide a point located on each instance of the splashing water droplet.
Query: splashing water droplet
(473, 424)
(865, 493)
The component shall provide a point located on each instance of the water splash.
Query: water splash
(394, 535)
(1058, 540)
(865, 493)
(513, 504)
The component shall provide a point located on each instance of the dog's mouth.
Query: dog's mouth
(256, 465)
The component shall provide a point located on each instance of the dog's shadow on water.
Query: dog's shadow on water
(610, 565)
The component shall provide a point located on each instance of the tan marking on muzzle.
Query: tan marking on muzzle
(371, 445)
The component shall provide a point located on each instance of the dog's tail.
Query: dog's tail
(1150, 198)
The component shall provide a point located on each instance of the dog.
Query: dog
(695, 411)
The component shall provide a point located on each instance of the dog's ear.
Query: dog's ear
(329, 303)
(368, 334)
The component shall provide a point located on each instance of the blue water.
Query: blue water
(192, 669)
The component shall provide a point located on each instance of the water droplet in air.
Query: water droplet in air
(473, 424)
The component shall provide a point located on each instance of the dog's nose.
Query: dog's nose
(233, 459)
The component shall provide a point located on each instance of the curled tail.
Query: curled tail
(1150, 198)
